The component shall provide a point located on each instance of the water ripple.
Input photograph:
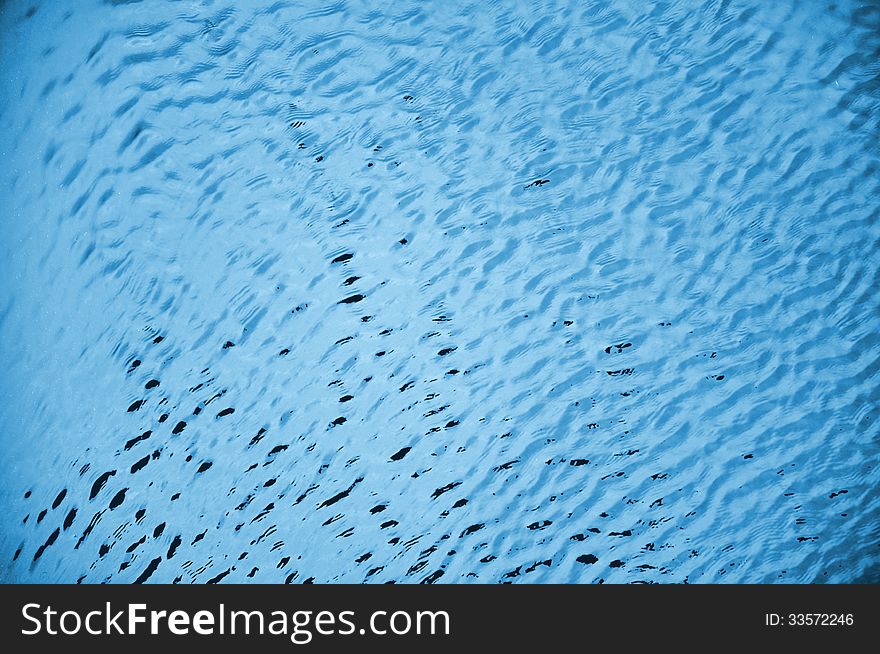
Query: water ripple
(495, 292)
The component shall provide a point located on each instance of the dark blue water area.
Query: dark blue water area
(407, 292)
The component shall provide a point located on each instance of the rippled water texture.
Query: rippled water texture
(440, 292)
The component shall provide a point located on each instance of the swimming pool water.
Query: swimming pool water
(440, 292)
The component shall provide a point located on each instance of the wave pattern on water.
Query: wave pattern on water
(440, 292)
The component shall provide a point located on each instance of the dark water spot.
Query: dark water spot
(443, 489)
(431, 578)
(547, 563)
(397, 456)
(587, 559)
(149, 570)
(59, 499)
(68, 520)
(258, 437)
(138, 465)
(134, 406)
(151, 384)
(215, 580)
(88, 530)
(137, 439)
(228, 344)
(351, 299)
(472, 529)
(49, 541)
(99, 483)
(172, 549)
(342, 258)
(158, 530)
(341, 495)
(226, 412)
(118, 499)
(179, 427)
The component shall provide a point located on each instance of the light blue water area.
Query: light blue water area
(440, 291)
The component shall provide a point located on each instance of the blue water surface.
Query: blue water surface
(440, 291)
